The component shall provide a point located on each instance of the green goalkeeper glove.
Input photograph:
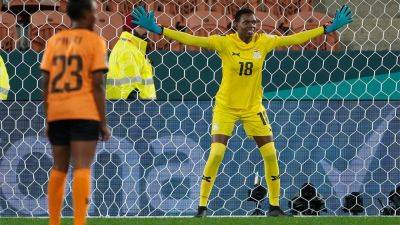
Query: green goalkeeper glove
(147, 21)
(342, 18)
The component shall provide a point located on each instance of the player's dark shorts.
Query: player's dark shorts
(62, 132)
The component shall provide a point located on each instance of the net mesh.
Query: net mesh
(333, 105)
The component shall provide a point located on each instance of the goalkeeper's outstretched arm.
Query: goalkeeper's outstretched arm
(187, 39)
(342, 18)
(147, 21)
(299, 38)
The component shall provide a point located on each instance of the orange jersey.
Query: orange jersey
(70, 58)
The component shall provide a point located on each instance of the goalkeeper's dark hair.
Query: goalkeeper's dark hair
(77, 8)
(241, 12)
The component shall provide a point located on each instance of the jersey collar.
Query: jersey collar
(242, 43)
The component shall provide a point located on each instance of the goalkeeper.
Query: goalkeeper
(240, 94)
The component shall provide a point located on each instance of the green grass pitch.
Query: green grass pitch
(218, 221)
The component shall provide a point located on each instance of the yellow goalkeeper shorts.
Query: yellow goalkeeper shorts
(255, 121)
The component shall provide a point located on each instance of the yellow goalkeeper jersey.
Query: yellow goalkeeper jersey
(242, 63)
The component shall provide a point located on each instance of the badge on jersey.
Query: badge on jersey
(256, 54)
(215, 127)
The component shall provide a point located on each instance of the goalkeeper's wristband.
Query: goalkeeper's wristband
(326, 26)
(157, 29)
(162, 30)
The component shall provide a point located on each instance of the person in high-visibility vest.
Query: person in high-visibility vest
(4, 81)
(129, 70)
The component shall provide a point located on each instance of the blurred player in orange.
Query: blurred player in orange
(74, 66)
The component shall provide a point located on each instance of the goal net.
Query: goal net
(333, 104)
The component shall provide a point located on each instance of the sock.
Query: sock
(80, 195)
(210, 171)
(55, 193)
(271, 170)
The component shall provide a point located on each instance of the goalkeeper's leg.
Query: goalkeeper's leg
(256, 125)
(271, 169)
(222, 126)
(215, 158)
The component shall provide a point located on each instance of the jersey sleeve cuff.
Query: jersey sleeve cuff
(104, 70)
(45, 70)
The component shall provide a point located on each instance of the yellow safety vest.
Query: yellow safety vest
(129, 69)
(4, 81)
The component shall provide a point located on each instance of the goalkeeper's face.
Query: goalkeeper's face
(246, 26)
